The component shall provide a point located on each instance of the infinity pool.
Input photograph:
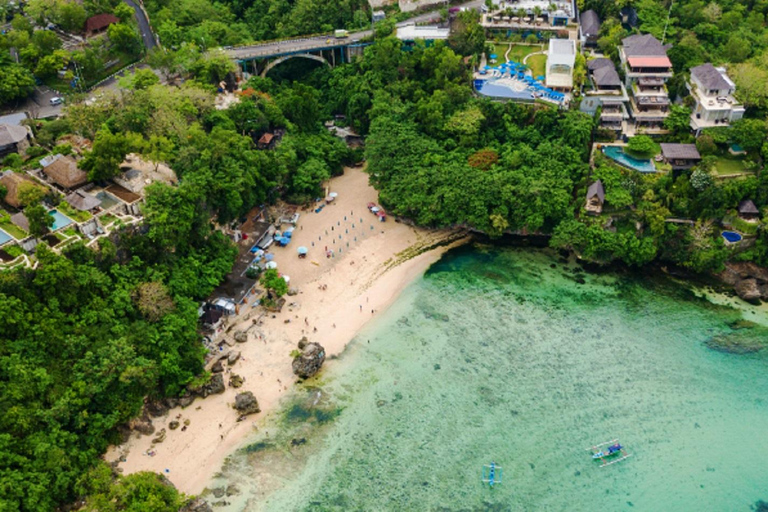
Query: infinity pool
(59, 220)
(618, 155)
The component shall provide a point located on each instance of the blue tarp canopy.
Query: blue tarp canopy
(493, 55)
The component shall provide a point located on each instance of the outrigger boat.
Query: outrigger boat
(492, 474)
(606, 455)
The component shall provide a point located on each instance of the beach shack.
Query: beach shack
(595, 198)
(13, 182)
(267, 141)
(680, 156)
(63, 171)
(748, 210)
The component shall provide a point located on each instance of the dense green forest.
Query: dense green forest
(232, 22)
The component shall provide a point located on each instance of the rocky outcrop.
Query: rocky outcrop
(196, 505)
(142, 425)
(160, 437)
(246, 404)
(748, 290)
(241, 336)
(156, 408)
(214, 386)
(217, 367)
(233, 357)
(186, 400)
(748, 280)
(309, 362)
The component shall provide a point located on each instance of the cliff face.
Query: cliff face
(749, 280)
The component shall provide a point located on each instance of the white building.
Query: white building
(414, 32)
(557, 13)
(607, 93)
(561, 58)
(713, 92)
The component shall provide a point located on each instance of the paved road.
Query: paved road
(323, 42)
(146, 31)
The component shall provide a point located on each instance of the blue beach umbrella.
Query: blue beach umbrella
(302, 250)
(269, 257)
(493, 55)
(540, 77)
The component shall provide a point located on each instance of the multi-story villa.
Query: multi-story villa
(713, 92)
(606, 91)
(646, 68)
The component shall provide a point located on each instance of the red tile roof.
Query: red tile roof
(649, 62)
(100, 21)
(266, 138)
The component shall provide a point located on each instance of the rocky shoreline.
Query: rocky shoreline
(749, 281)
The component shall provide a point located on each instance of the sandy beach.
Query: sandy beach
(372, 262)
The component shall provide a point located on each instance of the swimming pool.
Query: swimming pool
(59, 220)
(107, 200)
(618, 155)
(492, 90)
(4, 237)
(731, 236)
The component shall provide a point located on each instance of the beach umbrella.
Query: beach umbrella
(333, 194)
(375, 209)
(271, 265)
(286, 279)
(539, 77)
(493, 55)
(485, 68)
(302, 250)
(269, 257)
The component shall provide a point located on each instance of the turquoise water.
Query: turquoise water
(59, 220)
(617, 154)
(519, 357)
(4, 237)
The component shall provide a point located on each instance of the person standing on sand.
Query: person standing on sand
(361, 308)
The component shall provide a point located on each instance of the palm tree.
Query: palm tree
(521, 14)
(537, 13)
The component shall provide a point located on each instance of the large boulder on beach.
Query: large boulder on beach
(156, 408)
(186, 400)
(214, 386)
(217, 367)
(309, 362)
(241, 336)
(748, 290)
(246, 403)
(235, 380)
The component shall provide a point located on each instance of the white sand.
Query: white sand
(365, 277)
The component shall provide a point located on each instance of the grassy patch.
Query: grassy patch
(72, 213)
(538, 65)
(107, 219)
(11, 228)
(14, 251)
(70, 232)
(739, 224)
(500, 49)
(519, 51)
(730, 164)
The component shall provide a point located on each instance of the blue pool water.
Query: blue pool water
(736, 148)
(107, 200)
(617, 154)
(731, 236)
(499, 91)
(59, 220)
(4, 237)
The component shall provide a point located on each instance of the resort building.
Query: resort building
(748, 211)
(530, 14)
(82, 201)
(63, 171)
(13, 181)
(595, 198)
(13, 139)
(646, 68)
(713, 92)
(680, 156)
(589, 27)
(99, 23)
(561, 57)
(605, 91)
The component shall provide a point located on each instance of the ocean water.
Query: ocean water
(519, 357)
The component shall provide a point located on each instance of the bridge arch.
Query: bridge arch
(284, 58)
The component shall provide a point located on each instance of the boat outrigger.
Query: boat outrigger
(492, 474)
(606, 455)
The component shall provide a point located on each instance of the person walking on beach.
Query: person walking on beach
(361, 308)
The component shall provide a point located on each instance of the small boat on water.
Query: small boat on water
(492, 474)
(608, 451)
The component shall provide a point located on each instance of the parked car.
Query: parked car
(56, 100)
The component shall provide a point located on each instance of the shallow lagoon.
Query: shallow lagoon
(495, 355)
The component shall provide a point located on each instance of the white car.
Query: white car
(56, 100)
